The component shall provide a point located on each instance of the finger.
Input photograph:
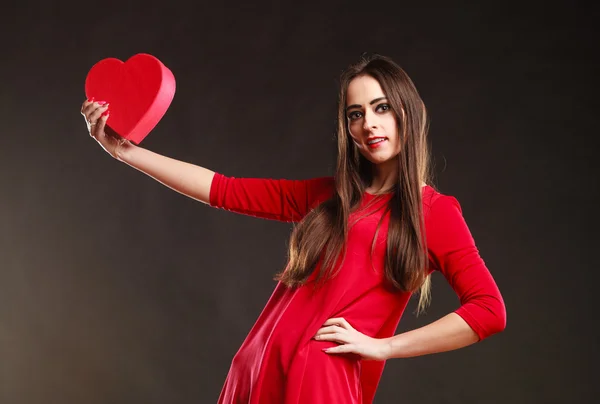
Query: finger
(96, 127)
(346, 324)
(99, 127)
(347, 348)
(94, 116)
(339, 321)
(86, 103)
(333, 321)
(329, 330)
(91, 107)
(338, 337)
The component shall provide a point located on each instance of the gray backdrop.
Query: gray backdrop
(115, 289)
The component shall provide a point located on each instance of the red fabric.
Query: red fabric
(279, 362)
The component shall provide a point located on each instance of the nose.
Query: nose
(369, 121)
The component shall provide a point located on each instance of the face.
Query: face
(371, 121)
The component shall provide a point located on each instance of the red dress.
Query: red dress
(279, 362)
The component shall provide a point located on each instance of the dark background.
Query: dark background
(115, 289)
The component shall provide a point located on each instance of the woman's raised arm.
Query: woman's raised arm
(188, 179)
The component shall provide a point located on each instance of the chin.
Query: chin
(376, 160)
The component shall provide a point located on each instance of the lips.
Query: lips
(378, 142)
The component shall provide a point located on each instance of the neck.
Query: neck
(385, 175)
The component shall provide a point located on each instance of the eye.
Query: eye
(383, 107)
(354, 115)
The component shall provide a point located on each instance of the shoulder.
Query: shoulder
(437, 204)
(445, 227)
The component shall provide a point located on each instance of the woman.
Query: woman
(365, 241)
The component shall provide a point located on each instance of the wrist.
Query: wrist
(396, 346)
(387, 349)
(122, 148)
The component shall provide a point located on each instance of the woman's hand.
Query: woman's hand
(351, 341)
(96, 114)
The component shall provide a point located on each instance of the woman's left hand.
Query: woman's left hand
(352, 341)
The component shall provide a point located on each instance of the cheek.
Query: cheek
(355, 129)
(391, 126)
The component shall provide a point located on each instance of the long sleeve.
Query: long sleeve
(277, 199)
(453, 252)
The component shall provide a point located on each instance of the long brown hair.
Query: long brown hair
(322, 234)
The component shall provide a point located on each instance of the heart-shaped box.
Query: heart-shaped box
(139, 92)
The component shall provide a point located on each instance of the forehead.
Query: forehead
(363, 89)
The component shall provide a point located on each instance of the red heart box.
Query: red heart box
(139, 92)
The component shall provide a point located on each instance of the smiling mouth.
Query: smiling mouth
(376, 142)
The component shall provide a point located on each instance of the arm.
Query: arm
(285, 200)
(187, 179)
(277, 199)
(482, 311)
(446, 334)
(481, 314)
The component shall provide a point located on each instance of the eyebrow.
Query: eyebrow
(371, 103)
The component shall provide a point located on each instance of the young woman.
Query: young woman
(365, 241)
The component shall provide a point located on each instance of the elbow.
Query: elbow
(497, 310)
(498, 320)
(485, 316)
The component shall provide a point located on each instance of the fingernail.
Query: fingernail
(90, 99)
(105, 113)
(101, 102)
